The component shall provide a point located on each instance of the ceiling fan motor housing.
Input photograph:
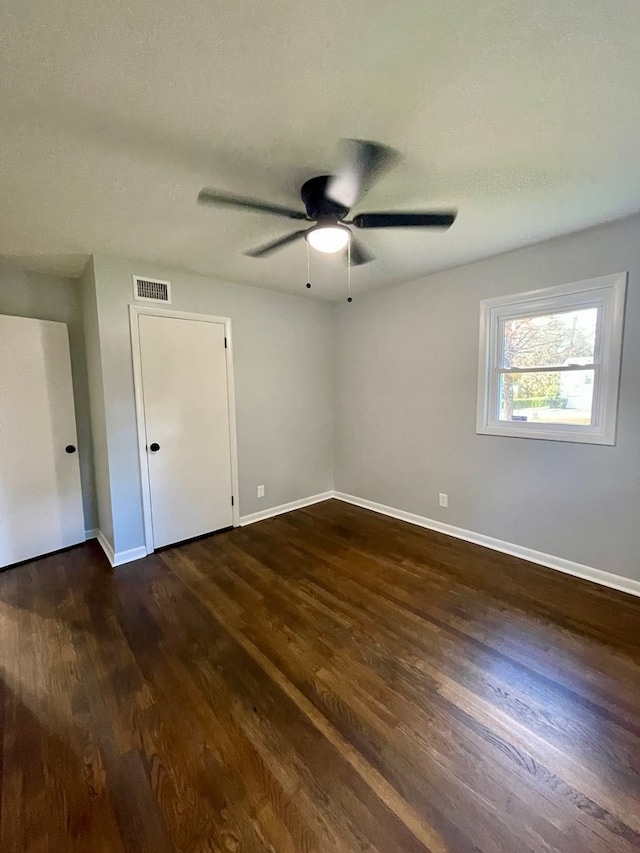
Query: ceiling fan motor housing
(318, 206)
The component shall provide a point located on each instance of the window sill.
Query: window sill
(545, 434)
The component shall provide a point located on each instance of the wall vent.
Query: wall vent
(151, 289)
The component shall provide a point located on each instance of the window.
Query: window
(550, 362)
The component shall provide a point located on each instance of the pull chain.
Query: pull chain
(308, 266)
(349, 272)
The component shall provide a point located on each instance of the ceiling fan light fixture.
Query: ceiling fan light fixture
(328, 238)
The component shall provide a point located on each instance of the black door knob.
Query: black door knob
(154, 446)
(70, 448)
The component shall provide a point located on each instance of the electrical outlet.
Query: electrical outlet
(444, 499)
(260, 491)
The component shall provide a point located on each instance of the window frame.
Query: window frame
(607, 294)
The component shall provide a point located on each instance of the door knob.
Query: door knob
(70, 448)
(154, 446)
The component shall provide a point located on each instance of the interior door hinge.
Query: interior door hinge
(225, 343)
(232, 504)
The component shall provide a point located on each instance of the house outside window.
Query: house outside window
(549, 362)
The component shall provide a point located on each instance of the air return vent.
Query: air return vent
(151, 289)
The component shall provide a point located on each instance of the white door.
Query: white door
(186, 414)
(40, 493)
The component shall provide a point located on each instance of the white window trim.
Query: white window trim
(607, 293)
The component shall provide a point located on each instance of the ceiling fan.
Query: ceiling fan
(328, 199)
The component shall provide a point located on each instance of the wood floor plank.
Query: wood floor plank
(327, 680)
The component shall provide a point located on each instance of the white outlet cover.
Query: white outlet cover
(260, 491)
(444, 499)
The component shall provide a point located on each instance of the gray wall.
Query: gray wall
(405, 377)
(50, 297)
(283, 376)
(96, 401)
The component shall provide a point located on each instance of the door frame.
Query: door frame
(134, 312)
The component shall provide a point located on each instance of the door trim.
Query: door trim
(134, 312)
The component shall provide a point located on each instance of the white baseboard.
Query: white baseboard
(106, 547)
(121, 557)
(279, 510)
(90, 534)
(129, 556)
(569, 567)
(559, 563)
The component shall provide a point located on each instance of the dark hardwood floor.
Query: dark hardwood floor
(328, 680)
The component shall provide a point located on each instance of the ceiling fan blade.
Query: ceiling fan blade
(359, 253)
(440, 219)
(362, 162)
(268, 248)
(207, 196)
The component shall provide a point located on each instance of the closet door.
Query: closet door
(40, 493)
(186, 414)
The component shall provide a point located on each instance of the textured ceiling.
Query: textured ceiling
(525, 116)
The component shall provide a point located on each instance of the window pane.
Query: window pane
(550, 340)
(564, 397)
